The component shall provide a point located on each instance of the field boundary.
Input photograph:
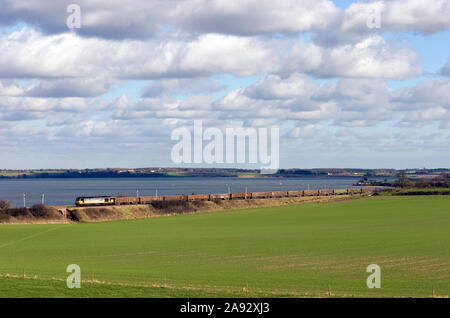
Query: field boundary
(232, 291)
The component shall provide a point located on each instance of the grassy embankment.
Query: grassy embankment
(418, 191)
(49, 214)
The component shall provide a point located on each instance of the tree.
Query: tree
(402, 179)
(5, 204)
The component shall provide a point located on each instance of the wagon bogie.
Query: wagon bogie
(176, 198)
(256, 195)
(308, 193)
(198, 197)
(219, 196)
(235, 196)
(279, 194)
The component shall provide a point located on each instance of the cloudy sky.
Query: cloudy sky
(344, 92)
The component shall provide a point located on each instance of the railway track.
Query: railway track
(110, 200)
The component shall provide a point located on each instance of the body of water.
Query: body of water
(64, 191)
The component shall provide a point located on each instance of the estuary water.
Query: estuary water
(64, 191)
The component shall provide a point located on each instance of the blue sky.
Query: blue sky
(111, 93)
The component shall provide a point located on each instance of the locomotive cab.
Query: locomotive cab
(100, 200)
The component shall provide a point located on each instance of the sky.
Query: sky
(363, 84)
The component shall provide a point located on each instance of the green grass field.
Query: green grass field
(290, 251)
(426, 190)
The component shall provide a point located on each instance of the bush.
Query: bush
(172, 206)
(3, 216)
(442, 181)
(39, 211)
(5, 205)
(44, 212)
(19, 212)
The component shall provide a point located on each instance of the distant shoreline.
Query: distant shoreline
(216, 173)
(185, 177)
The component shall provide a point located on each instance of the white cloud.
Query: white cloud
(399, 15)
(9, 88)
(310, 131)
(29, 54)
(434, 93)
(150, 19)
(27, 108)
(71, 87)
(347, 102)
(371, 57)
(259, 16)
(146, 19)
(170, 87)
(273, 87)
(329, 82)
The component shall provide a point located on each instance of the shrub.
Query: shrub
(39, 211)
(19, 212)
(5, 205)
(43, 211)
(172, 206)
(3, 216)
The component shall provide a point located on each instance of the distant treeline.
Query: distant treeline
(423, 192)
(212, 172)
(442, 181)
(126, 174)
(88, 174)
(299, 172)
(404, 181)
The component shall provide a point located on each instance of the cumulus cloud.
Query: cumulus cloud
(147, 19)
(398, 15)
(28, 53)
(68, 55)
(183, 86)
(273, 87)
(424, 103)
(310, 132)
(260, 16)
(26, 108)
(430, 94)
(275, 97)
(315, 70)
(347, 102)
(71, 87)
(138, 19)
(371, 57)
(10, 88)
(150, 19)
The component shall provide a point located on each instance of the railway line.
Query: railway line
(111, 200)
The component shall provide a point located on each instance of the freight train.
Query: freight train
(110, 200)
